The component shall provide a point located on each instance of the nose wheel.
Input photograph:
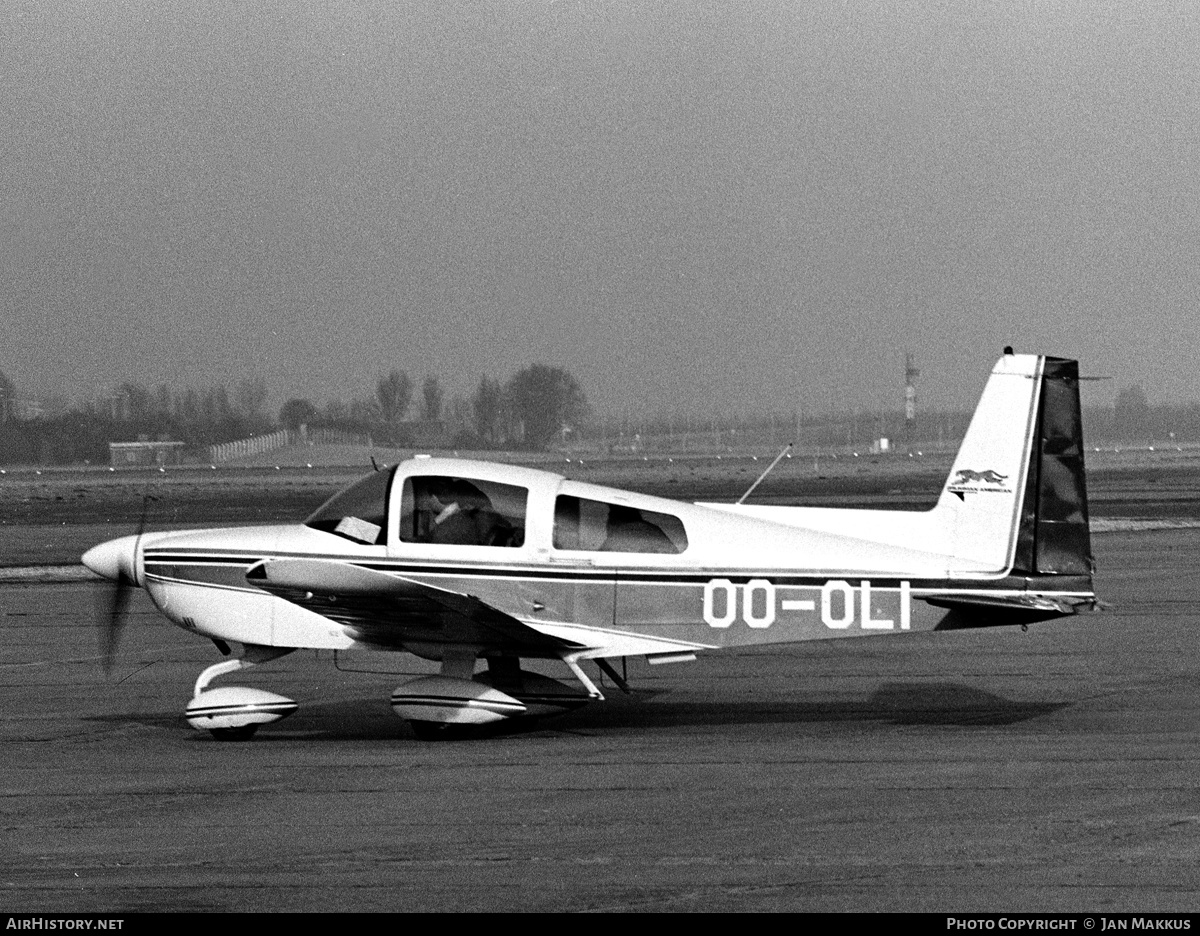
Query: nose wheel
(244, 733)
(234, 713)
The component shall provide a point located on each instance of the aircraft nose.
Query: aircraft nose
(114, 559)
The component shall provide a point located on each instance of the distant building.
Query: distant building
(134, 454)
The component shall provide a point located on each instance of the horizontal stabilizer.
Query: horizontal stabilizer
(999, 610)
(1016, 601)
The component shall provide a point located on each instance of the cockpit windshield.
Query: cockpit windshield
(358, 513)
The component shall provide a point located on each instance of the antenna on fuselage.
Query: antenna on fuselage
(750, 490)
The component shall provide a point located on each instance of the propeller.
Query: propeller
(114, 620)
(117, 560)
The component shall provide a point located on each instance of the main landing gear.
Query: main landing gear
(458, 704)
(454, 704)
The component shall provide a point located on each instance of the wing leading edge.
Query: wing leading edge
(397, 612)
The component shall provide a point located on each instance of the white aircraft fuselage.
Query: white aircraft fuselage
(458, 560)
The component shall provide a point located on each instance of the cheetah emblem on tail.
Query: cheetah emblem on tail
(967, 476)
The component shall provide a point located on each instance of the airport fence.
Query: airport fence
(243, 448)
(257, 445)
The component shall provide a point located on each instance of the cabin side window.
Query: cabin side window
(596, 526)
(358, 513)
(462, 512)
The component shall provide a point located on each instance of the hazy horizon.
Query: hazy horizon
(689, 206)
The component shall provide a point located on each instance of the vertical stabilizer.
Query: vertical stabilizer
(1016, 498)
(981, 502)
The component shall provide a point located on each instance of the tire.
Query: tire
(440, 731)
(244, 733)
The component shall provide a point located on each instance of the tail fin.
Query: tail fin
(1016, 498)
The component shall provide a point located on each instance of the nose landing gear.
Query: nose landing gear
(234, 713)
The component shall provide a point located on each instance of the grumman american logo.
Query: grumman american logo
(967, 480)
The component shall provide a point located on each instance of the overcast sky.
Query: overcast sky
(688, 205)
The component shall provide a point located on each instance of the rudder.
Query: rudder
(1054, 537)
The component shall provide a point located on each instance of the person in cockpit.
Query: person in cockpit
(462, 515)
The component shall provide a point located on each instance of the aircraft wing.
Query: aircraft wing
(392, 611)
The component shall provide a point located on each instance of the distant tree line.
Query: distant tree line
(535, 407)
(133, 412)
(531, 410)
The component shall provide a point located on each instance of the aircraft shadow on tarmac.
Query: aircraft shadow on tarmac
(892, 703)
(930, 704)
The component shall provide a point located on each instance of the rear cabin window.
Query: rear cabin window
(358, 513)
(462, 512)
(596, 526)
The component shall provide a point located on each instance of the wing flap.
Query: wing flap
(394, 611)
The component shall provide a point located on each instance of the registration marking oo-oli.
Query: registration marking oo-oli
(841, 604)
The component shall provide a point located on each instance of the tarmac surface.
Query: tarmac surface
(1054, 769)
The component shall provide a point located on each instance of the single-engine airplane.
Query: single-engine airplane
(459, 561)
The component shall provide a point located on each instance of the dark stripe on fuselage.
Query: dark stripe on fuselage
(174, 564)
(224, 575)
